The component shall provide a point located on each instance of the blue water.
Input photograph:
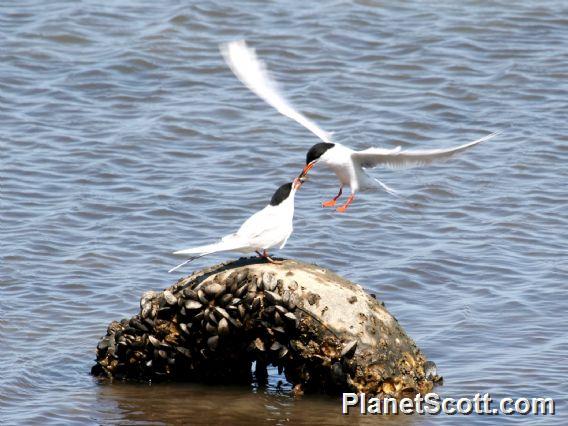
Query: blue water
(124, 136)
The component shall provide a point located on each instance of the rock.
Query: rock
(324, 332)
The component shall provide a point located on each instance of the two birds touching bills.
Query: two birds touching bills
(272, 226)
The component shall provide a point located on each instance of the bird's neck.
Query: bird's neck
(288, 203)
(336, 154)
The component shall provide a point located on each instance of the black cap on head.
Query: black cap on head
(281, 194)
(317, 151)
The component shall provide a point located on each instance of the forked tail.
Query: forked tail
(388, 189)
(229, 243)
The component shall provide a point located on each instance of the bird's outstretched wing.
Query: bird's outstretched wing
(253, 74)
(398, 158)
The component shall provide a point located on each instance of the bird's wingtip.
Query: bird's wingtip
(230, 46)
(503, 129)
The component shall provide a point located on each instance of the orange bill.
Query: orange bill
(307, 169)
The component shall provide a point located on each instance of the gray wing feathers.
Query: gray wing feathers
(399, 158)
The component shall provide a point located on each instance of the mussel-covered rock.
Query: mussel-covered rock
(322, 331)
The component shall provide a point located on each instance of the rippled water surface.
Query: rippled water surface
(123, 136)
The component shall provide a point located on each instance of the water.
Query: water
(124, 136)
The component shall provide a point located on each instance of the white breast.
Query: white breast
(269, 227)
(338, 159)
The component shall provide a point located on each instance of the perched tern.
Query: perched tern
(349, 165)
(267, 228)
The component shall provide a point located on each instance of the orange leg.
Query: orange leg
(342, 208)
(266, 256)
(332, 202)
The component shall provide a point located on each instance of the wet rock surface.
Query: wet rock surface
(323, 332)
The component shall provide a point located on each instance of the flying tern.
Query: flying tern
(267, 228)
(349, 165)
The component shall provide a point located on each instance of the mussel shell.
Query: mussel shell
(184, 351)
(269, 281)
(272, 298)
(255, 306)
(225, 299)
(241, 290)
(236, 323)
(213, 342)
(430, 369)
(210, 328)
(192, 305)
(213, 290)
(221, 312)
(223, 327)
(146, 311)
(349, 349)
(103, 345)
(201, 297)
(259, 344)
(283, 352)
(291, 318)
(169, 297)
(189, 294)
(250, 297)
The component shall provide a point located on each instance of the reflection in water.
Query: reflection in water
(199, 404)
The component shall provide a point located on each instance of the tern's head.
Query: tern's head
(285, 192)
(314, 155)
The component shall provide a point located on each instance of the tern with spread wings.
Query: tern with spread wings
(267, 228)
(349, 165)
